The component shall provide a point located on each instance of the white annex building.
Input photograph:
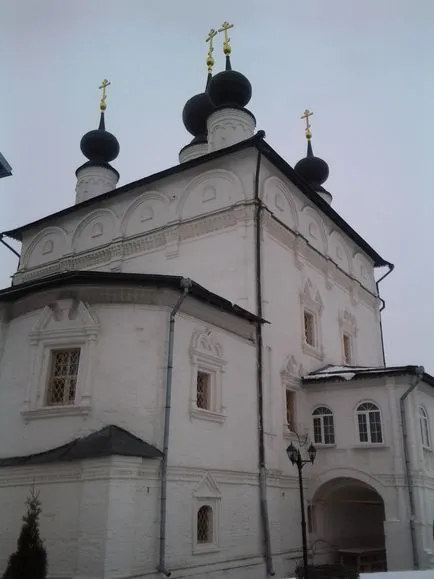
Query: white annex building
(163, 342)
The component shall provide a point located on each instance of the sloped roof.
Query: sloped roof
(258, 142)
(72, 278)
(332, 373)
(109, 441)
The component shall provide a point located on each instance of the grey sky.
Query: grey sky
(364, 67)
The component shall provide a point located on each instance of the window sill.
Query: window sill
(202, 549)
(317, 353)
(369, 445)
(321, 445)
(55, 411)
(203, 414)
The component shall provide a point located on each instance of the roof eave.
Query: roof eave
(256, 141)
(290, 173)
(97, 277)
(174, 170)
(368, 374)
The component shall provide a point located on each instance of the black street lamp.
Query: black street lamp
(295, 457)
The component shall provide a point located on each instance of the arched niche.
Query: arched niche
(339, 252)
(48, 245)
(97, 228)
(363, 271)
(148, 211)
(313, 228)
(208, 192)
(279, 200)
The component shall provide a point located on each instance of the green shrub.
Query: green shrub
(30, 559)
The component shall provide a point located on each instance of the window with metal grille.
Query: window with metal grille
(290, 409)
(309, 328)
(204, 525)
(323, 426)
(369, 423)
(63, 377)
(203, 390)
(348, 353)
(424, 427)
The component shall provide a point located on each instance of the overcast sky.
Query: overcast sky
(363, 66)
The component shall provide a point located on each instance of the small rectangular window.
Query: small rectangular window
(309, 328)
(63, 377)
(329, 430)
(363, 428)
(348, 354)
(205, 525)
(203, 390)
(317, 430)
(290, 410)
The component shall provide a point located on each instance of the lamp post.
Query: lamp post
(296, 459)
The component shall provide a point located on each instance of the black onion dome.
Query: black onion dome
(196, 112)
(312, 169)
(99, 146)
(230, 88)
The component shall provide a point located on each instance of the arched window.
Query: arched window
(424, 427)
(323, 426)
(369, 423)
(204, 525)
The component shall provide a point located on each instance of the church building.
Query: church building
(165, 341)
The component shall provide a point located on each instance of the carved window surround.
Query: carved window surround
(64, 324)
(206, 356)
(207, 494)
(311, 302)
(348, 326)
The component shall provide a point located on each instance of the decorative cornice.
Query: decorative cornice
(167, 236)
(170, 237)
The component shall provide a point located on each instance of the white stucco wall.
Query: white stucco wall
(112, 505)
(200, 224)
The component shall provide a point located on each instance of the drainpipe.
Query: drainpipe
(259, 380)
(8, 246)
(419, 375)
(186, 286)
(383, 305)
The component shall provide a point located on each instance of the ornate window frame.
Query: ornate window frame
(206, 355)
(207, 494)
(64, 324)
(424, 426)
(311, 302)
(348, 326)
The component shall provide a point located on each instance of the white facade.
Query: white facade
(94, 180)
(101, 517)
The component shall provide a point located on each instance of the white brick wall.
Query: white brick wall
(200, 224)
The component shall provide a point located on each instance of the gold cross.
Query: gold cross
(209, 58)
(102, 104)
(307, 113)
(224, 28)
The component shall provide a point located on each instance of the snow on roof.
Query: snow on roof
(332, 371)
(345, 372)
